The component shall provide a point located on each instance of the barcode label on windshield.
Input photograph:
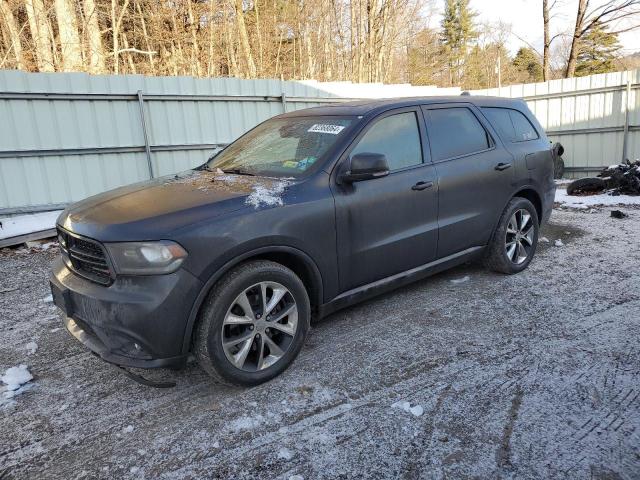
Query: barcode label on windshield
(324, 128)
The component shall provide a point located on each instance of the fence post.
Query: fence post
(147, 147)
(625, 138)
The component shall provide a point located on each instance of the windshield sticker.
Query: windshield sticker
(289, 164)
(325, 128)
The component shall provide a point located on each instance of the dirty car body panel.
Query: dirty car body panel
(346, 241)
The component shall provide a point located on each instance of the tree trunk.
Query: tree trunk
(40, 32)
(146, 39)
(244, 39)
(116, 22)
(96, 51)
(577, 36)
(70, 45)
(547, 41)
(195, 49)
(14, 34)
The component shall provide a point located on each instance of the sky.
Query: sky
(525, 17)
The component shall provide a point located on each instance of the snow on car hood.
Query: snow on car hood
(151, 209)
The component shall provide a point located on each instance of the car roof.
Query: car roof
(374, 106)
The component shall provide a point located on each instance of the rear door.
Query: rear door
(388, 225)
(475, 175)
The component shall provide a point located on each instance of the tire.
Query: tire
(558, 168)
(260, 350)
(589, 184)
(499, 255)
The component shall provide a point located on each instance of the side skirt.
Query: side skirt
(398, 280)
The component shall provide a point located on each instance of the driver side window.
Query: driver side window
(397, 137)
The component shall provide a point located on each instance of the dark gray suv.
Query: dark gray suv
(308, 212)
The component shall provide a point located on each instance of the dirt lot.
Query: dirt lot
(529, 376)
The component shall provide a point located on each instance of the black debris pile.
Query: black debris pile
(623, 179)
(618, 214)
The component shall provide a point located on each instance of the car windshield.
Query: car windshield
(281, 147)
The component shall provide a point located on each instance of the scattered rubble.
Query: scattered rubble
(622, 179)
(618, 214)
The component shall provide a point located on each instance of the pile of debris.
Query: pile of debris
(623, 179)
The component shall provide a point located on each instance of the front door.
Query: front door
(388, 225)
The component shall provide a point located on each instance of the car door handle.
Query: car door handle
(422, 186)
(502, 166)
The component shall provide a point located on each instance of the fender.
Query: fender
(217, 275)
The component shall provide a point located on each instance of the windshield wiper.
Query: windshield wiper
(239, 171)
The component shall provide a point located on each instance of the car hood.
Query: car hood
(151, 210)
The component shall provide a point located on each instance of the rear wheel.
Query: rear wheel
(253, 324)
(514, 241)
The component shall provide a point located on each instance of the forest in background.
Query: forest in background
(387, 41)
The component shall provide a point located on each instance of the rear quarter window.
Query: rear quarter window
(511, 124)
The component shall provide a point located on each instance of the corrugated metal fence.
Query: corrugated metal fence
(65, 136)
(596, 118)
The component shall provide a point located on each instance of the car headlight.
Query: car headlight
(146, 258)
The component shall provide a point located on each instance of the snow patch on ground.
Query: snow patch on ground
(416, 410)
(558, 243)
(31, 348)
(464, 279)
(246, 423)
(543, 240)
(15, 377)
(267, 195)
(588, 201)
(285, 454)
(24, 224)
(128, 429)
(48, 299)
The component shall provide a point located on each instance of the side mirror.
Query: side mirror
(366, 166)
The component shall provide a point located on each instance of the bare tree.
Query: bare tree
(14, 35)
(41, 34)
(70, 44)
(611, 12)
(96, 62)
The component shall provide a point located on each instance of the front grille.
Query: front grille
(86, 257)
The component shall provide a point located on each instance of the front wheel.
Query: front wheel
(253, 324)
(514, 241)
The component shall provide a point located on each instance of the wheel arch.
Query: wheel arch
(294, 259)
(533, 196)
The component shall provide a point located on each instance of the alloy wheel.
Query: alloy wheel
(520, 235)
(259, 327)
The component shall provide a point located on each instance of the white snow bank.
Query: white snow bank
(24, 224)
(15, 377)
(416, 410)
(588, 201)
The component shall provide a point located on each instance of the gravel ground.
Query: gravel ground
(535, 375)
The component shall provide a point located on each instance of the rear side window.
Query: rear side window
(456, 131)
(397, 137)
(511, 124)
(523, 127)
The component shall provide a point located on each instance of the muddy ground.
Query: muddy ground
(535, 375)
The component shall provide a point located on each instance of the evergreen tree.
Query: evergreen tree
(527, 61)
(458, 31)
(598, 51)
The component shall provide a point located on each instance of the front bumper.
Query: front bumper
(135, 322)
